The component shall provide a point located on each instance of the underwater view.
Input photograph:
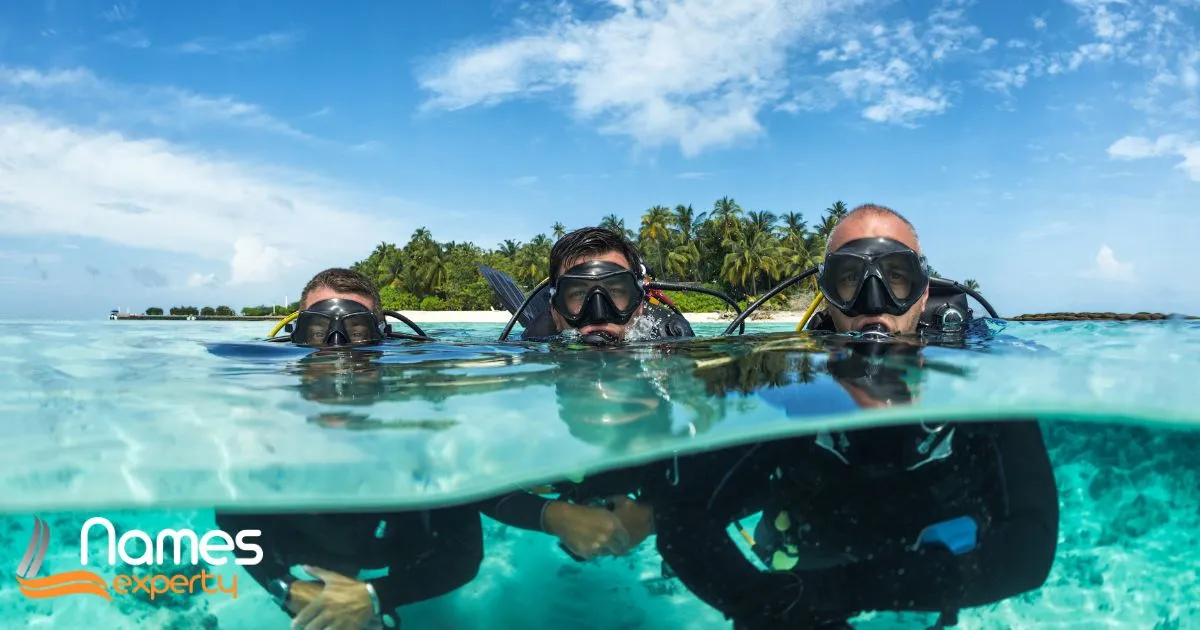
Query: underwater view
(600, 315)
(104, 424)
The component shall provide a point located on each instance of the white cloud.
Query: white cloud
(132, 38)
(650, 69)
(159, 106)
(693, 175)
(147, 193)
(1156, 40)
(1139, 147)
(198, 280)
(691, 72)
(1107, 267)
(262, 43)
(524, 180)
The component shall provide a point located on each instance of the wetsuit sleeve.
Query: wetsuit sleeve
(522, 510)
(1013, 556)
(450, 561)
(691, 524)
(269, 567)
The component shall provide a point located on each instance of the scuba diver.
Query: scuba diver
(360, 566)
(926, 518)
(600, 289)
(341, 308)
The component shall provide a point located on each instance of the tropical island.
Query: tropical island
(739, 252)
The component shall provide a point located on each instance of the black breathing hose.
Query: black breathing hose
(672, 286)
(741, 318)
(517, 313)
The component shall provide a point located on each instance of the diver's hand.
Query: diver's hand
(637, 518)
(301, 593)
(586, 531)
(342, 604)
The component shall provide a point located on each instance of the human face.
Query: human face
(615, 330)
(329, 318)
(871, 225)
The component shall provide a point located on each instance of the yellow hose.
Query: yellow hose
(812, 308)
(283, 322)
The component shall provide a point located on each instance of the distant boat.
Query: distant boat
(113, 314)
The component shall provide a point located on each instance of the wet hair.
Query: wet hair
(591, 241)
(344, 281)
(875, 210)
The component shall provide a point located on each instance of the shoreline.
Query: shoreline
(775, 317)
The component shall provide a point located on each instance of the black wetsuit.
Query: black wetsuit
(524, 509)
(426, 553)
(998, 474)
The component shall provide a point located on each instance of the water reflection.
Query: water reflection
(927, 517)
(918, 517)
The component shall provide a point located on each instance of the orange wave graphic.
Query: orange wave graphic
(69, 583)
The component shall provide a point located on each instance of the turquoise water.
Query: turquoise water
(154, 424)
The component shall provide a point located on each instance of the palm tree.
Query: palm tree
(559, 230)
(726, 212)
(687, 222)
(838, 210)
(657, 231)
(971, 284)
(683, 261)
(761, 221)
(749, 257)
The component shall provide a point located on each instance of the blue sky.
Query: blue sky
(209, 153)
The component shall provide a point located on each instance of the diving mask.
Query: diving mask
(337, 322)
(597, 292)
(873, 276)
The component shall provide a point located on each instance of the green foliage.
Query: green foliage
(184, 310)
(154, 310)
(225, 311)
(742, 253)
(432, 303)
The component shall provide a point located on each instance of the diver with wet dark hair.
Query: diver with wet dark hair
(352, 569)
(599, 287)
(927, 518)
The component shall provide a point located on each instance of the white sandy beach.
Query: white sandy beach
(501, 317)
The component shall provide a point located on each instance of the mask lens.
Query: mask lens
(842, 277)
(360, 328)
(571, 294)
(901, 273)
(313, 328)
(621, 289)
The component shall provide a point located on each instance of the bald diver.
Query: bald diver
(932, 517)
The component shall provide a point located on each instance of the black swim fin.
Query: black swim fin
(511, 295)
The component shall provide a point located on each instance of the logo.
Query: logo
(145, 578)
